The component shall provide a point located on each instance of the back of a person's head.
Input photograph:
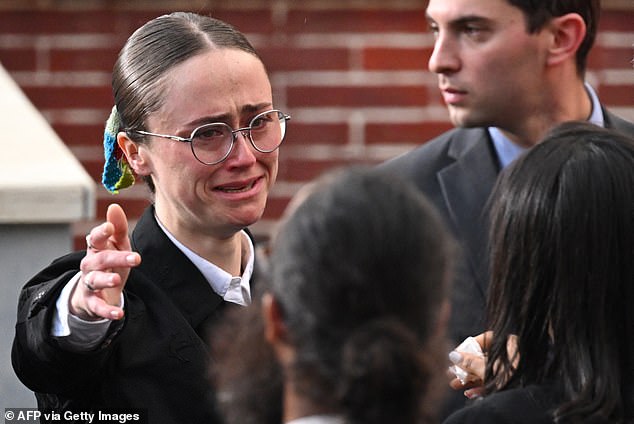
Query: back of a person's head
(562, 268)
(359, 270)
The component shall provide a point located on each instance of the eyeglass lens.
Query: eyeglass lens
(212, 143)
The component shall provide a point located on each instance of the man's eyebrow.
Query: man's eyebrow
(461, 20)
(469, 19)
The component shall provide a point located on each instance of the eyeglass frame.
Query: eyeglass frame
(234, 136)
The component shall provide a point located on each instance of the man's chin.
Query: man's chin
(463, 119)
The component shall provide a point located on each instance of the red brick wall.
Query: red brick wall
(353, 77)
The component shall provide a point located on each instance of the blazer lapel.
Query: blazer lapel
(619, 124)
(466, 185)
(171, 271)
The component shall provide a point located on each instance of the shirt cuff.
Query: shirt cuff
(72, 331)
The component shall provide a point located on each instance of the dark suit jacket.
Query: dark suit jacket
(457, 172)
(155, 359)
(529, 405)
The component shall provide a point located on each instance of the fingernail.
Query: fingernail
(470, 394)
(131, 259)
(455, 357)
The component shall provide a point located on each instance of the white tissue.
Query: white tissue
(469, 345)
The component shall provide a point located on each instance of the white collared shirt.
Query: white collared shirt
(235, 289)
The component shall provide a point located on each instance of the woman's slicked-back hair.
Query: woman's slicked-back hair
(154, 49)
(562, 268)
(359, 270)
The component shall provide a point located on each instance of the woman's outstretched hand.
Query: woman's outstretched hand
(104, 269)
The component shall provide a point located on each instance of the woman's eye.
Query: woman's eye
(260, 122)
(209, 133)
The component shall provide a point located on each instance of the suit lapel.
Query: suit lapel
(466, 185)
(617, 123)
(171, 271)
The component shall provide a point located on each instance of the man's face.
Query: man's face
(490, 70)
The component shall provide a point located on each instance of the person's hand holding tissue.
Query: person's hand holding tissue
(469, 364)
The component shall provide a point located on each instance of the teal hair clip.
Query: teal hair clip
(117, 174)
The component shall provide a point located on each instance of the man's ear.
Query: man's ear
(275, 332)
(568, 32)
(134, 154)
(274, 326)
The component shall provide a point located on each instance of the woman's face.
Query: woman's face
(221, 85)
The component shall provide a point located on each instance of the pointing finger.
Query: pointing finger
(116, 217)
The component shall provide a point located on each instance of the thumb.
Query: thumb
(116, 216)
(484, 340)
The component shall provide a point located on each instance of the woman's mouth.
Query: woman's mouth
(238, 187)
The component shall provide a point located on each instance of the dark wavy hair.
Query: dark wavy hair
(360, 271)
(152, 51)
(538, 13)
(562, 268)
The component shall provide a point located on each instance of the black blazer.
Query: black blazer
(155, 359)
(532, 404)
(528, 405)
(457, 172)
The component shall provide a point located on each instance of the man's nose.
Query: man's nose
(444, 58)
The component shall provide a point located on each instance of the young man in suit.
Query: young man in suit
(508, 70)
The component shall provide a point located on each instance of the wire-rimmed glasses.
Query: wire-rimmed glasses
(212, 143)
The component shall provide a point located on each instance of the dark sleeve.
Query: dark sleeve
(528, 405)
(37, 359)
(478, 413)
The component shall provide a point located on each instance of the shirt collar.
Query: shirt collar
(235, 289)
(596, 116)
(507, 151)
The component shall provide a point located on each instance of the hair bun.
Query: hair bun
(382, 373)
